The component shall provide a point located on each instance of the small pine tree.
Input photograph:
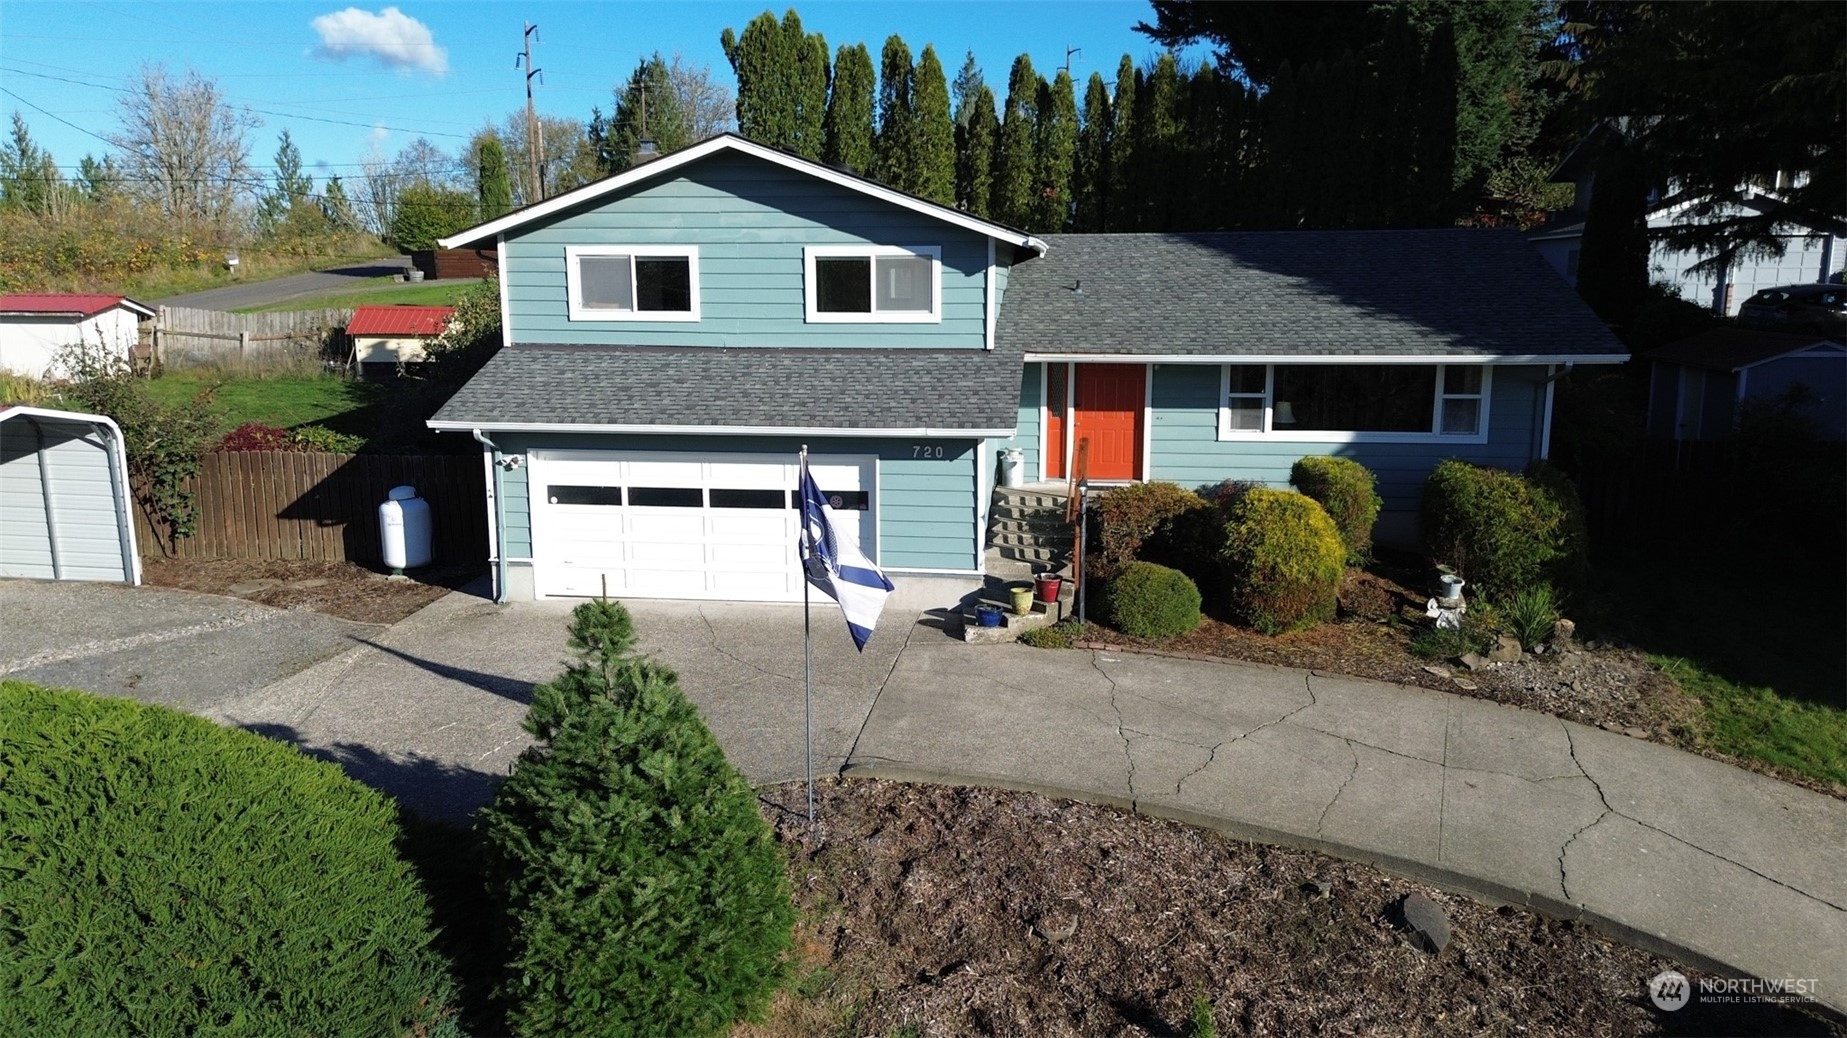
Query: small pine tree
(642, 890)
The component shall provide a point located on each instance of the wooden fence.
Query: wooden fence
(286, 505)
(185, 335)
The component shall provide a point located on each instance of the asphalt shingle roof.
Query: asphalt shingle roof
(709, 386)
(1728, 349)
(1453, 291)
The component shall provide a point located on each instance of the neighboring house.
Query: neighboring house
(384, 337)
(677, 332)
(1814, 250)
(1698, 385)
(34, 327)
(65, 511)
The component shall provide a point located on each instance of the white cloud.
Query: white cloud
(390, 37)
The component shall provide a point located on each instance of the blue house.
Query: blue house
(676, 333)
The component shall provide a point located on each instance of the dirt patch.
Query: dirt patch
(948, 911)
(342, 589)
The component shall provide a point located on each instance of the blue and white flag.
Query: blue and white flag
(838, 567)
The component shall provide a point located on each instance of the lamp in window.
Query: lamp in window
(1284, 413)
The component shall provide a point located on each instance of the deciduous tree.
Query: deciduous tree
(183, 148)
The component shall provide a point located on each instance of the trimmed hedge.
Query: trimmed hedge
(161, 875)
(1285, 560)
(1501, 531)
(1129, 516)
(1349, 492)
(642, 890)
(1150, 601)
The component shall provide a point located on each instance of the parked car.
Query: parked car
(1798, 308)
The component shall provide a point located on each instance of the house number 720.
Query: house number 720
(925, 450)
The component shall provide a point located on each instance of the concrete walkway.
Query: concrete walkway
(1714, 866)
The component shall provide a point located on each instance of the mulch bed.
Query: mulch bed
(343, 589)
(949, 911)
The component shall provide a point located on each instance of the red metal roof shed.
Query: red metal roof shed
(67, 304)
(399, 320)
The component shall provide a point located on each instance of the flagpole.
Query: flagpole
(807, 654)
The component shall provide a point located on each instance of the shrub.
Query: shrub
(1128, 516)
(1348, 491)
(1501, 531)
(255, 436)
(1285, 561)
(643, 894)
(318, 439)
(1062, 635)
(1150, 601)
(165, 876)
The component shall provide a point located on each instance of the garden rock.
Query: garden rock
(249, 587)
(1427, 922)
(1318, 887)
(1506, 650)
(1563, 631)
(1439, 670)
(1474, 661)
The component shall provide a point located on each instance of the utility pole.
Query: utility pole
(533, 141)
(1070, 50)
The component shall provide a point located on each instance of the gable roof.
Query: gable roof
(67, 304)
(1734, 349)
(730, 142)
(403, 319)
(1447, 294)
(762, 391)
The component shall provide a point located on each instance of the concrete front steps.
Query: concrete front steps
(999, 595)
(1027, 524)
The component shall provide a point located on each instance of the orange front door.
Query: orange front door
(1107, 410)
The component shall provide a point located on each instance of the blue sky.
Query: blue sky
(340, 78)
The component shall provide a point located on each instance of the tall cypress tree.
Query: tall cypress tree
(761, 62)
(1055, 153)
(977, 133)
(1091, 181)
(894, 148)
(807, 89)
(1015, 160)
(1125, 177)
(849, 109)
(496, 185)
(934, 134)
(1159, 132)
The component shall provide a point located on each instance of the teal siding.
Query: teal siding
(1026, 434)
(750, 220)
(1186, 448)
(926, 507)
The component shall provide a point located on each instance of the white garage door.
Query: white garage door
(676, 525)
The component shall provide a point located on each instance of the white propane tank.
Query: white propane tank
(1013, 467)
(404, 529)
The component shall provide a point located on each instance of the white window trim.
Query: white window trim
(579, 312)
(933, 253)
(1272, 435)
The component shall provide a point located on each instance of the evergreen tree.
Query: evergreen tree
(98, 180)
(1125, 176)
(762, 62)
(968, 83)
(1613, 254)
(642, 891)
(934, 134)
(1015, 160)
(495, 185)
(291, 188)
(894, 147)
(1158, 137)
(1055, 152)
(849, 110)
(808, 74)
(1091, 181)
(29, 179)
(648, 108)
(337, 208)
(977, 134)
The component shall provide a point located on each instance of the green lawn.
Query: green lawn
(284, 401)
(378, 292)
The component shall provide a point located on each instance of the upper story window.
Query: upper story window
(873, 284)
(632, 282)
(1340, 402)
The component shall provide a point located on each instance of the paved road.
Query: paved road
(1705, 863)
(295, 286)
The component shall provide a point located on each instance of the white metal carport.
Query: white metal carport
(64, 501)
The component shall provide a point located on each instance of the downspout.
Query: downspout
(500, 520)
